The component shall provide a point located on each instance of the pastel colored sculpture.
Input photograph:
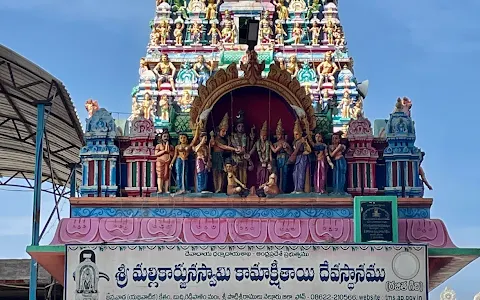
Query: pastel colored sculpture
(91, 106)
(178, 32)
(165, 71)
(228, 31)
(240, 140)
(202, 69)
(321, 154)
(336, 150)
(282, 10)
(270, 188)
(326, 70)
(282, 151)
(215, 34)
(315, 30)
(203, 163)
(234, 185)
(263, 147)
(297, 34)
(164, 152)
(196, 33)
(280, 33)
(299, 157)
(180, 160)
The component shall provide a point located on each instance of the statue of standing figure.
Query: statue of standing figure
(264, 152)
(164, 153)
(282, 150)
(299, 156)
(240, 140)
(336, 150)
(321, 154)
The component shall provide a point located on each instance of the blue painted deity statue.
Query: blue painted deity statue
(336, 150)
(282, 150)
(300, 157)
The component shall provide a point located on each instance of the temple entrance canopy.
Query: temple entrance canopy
(279, 82)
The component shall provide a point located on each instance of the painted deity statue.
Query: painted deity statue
(313, 8)
(282, 10)
(265, 32)
(421, 173)
(215, 33)
(270, 188)
(299, 156)
(164, 152)
(321, 154)
(91, 106)
(211, 9)
(163, 108)
(263, 147)
(147, 106)
(178, 32)
(228, 31)
(165, 71)
(339, 37)
(143, 67)
(283, 151)
(297, 34)
(234, 185)
(329, 29)
(240, 140)
(280, 34)
(203, 163)
(202, 69)
(345, 104)
(315, 30)
(163, 31)
(180, 160)
(292, 66)
(219, 145)
(336, 150)
(196, 33)
(326, 70)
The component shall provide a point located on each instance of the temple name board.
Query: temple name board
(266, 271)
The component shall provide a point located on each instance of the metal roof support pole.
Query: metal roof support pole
(37, 194)
(73, 180)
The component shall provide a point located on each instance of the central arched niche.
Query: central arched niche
(259, 105)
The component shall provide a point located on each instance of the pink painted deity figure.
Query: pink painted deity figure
(320, 172)
(164, 153)
(91, 106)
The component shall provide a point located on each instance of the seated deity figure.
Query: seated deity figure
(326, 70)
(336, 150)
(270, 188)
(228, 31)
(234, 185)
(165, 71)
(292, 66)
(202, 70)
(265, 30)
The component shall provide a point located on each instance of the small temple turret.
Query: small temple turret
(401, 156)
(99, 156)
(361, 158)
(140, 159)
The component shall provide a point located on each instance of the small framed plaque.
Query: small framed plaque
(375, 219)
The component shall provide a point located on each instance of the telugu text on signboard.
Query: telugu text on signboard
(234, 272)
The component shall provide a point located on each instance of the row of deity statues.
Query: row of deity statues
(230, 158)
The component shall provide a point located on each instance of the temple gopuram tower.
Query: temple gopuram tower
(258, 143)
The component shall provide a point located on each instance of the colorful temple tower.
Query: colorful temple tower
(229, 144)
(99, 156)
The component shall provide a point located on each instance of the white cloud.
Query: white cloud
(437, 26)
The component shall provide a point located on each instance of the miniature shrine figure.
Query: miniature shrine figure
(240, 140)
(178, 32)
(357, 110)
(299, 156)
(282, 150)
(315, 30)
(215, 33)
(292, 66)
(91, 106)
(147, 106)
(211, 9)
(154, 38)
(219, 145)
(339, 37)
(326, 70)
(164, 108)
(263, 147)
(164, 31)
(202, 70)
(297, 6)
(165, 71)
(421, 173)
(196, 33)
(265, 31)
(329, 29)
(185, 101)
(137, 110)
(345, 104)
(335, 151)
(180, 160)
(203, 163)
(179, 8)
(234, 186)
(282, 10)
(143, 67)
(297, 34)
(321, 154)
(407, 106)
(228, 31)
(313, 8)
(270, 188)
(280, 34)
(164, 153)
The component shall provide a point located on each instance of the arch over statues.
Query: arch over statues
(277, 80)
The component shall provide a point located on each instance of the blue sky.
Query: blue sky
(427, 50)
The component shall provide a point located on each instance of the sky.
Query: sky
(405, 48)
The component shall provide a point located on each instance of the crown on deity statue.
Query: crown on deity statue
(279, 129)
(264, 127)
(297, 128)
(224, 123)
(240, 118)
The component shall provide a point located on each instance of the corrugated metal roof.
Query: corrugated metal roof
(22, 84)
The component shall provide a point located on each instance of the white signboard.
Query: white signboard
(246, 271)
